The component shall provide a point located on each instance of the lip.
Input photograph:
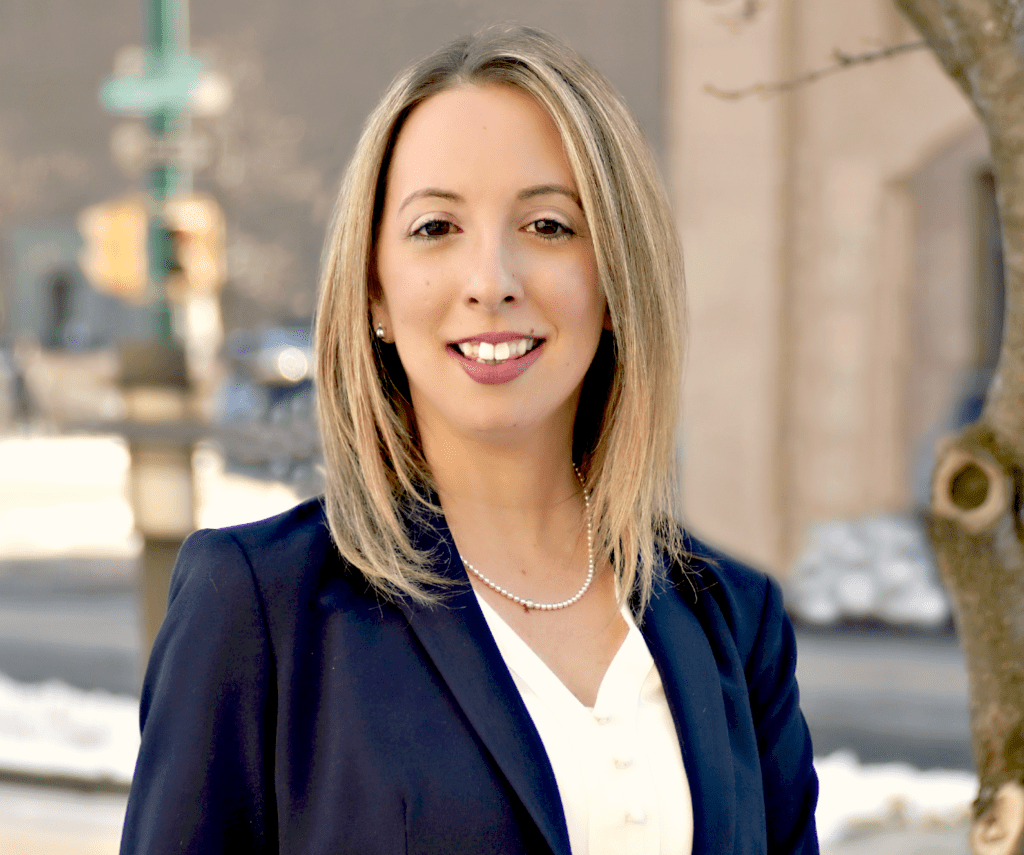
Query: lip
(494, 337)
(493, 375)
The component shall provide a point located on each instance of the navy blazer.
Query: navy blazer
(289, 709)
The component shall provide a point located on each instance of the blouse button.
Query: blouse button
(623, 762)
(602, 719)
(635, 816)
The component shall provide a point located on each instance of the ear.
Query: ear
(379, 315)
(999, 830)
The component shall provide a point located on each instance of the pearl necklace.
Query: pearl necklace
(527, 603)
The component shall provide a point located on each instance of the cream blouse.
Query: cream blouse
(618, 765)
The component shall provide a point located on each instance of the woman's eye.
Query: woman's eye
(434, 229)
(549, 228)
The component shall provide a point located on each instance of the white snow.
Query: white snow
(854, 796)
(92, 516)
(53, 729)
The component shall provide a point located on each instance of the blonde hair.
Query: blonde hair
(378, 483)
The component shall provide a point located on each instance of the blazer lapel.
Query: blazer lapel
(689, 673)
(457, 639)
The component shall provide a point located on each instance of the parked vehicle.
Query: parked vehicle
(266, 405)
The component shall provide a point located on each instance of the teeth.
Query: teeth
(494, 353)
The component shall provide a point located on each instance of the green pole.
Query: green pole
(160, 440)
(163, 177)
(162, 361)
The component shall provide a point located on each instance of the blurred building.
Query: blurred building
(843, 267)
(303, 78)
(842, 262)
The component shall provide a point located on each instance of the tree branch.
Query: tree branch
(748, 10)
(926, 16)
(734, 21)
(842, 62)
(928, 19)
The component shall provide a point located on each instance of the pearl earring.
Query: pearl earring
(379, 332)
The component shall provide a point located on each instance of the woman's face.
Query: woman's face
(488, 280)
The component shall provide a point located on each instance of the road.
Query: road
(71, 620)
(886, 696)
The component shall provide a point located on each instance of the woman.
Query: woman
(491, 636)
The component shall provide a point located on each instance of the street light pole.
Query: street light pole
(154, 378)
(163, 176)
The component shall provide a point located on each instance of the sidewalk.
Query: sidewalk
(903, 842)
(48, 821)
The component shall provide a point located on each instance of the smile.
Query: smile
(494, 354)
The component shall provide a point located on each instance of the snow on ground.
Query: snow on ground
(855, 797)
(68, 495)
(53, 729)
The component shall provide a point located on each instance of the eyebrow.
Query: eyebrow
(528, 193)
(545, 189)
(430, 193)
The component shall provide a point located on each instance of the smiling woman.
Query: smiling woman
(499, 259)
(494, 635)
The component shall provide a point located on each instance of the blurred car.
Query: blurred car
(8, 391)
(266, 405)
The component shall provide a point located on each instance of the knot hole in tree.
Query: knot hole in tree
(970, 489)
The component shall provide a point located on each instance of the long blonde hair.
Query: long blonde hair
(378, 483)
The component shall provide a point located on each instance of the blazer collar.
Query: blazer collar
(689, 673)
(457, 639)
(459, 642)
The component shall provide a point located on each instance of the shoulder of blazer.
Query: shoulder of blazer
(742, 595)
(288, 556)
(292, 559)
(298, 534)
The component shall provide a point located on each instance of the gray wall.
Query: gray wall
(305, 74)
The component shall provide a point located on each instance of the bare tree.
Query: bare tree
(977, 527)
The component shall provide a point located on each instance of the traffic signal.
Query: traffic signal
(118, 247)
(113, 255)
(196, 224)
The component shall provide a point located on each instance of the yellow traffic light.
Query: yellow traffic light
(113, 257)
(197, 224)
(114, 252)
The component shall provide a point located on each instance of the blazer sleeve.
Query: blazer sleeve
(784, 742)
(203, 781)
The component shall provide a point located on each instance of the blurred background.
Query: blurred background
(167, 175)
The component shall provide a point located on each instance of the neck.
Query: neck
(502, 498)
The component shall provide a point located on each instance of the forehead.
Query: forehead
(472, 133)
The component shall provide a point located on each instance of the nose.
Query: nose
(493, 277)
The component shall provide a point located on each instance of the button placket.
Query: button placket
(636, 816)
(622, 742)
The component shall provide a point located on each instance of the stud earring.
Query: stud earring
(379, 332)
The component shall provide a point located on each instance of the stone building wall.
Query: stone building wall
(802, 217)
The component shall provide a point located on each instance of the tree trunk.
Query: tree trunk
(975, 529)
(977, 523)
